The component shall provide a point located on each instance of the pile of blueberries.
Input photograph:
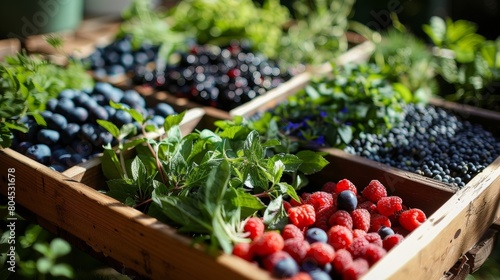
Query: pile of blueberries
(120, 57)
(432, 142)
(72, 134)
(221, 77)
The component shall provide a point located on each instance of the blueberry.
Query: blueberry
(158, 120)
(81, 99)
(69, 133)
(141, 58)
(347, 201)
(68, 93)
(316, 235)
(57, 167)
(385, 231)
(82, 147)
(64, 105)
(111, 111)
(104, 138)
(127, 60)
(319, 275)
(23, 146)
(115, 94)
(98, 113)
(57, 153)
(51, 104)
(56, 122)
(39, 152)
(48, 136)
(121, 117)
(71, 160)
(286, 267)
(33, 129)
(46, 114)
(164, 110)
(100, 99)
(90, 132)
(115, 69)
(133, 99)
(309, 265)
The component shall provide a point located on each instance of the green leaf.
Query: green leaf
(43, 265)
(235, 132)
(132, 144)
(110, 127)
(291, 162)
(59, 247)
(16, 126)
(126, 130)
(62, 269)
(121, 189)
(345, 133)
(39, 119)
(6, 136)
(42, 248)
(110, 164)
(182, 210)
(312, 161)
(252, 148)
(173, 120)
(404, 91)
(436, 30)
(216, 185)
(247, 201)
(289, 190)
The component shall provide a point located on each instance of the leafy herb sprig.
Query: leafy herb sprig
(207, 182)
(333, 110)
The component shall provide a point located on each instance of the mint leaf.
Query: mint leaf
(121, 189)
(312, 161)
(110, 127)
(110, 164)
(173, 120)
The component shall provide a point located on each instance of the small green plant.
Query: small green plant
(467, 62)
(207, 182)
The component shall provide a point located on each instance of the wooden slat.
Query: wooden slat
(9, 47)
(108, 226)
(452, 230)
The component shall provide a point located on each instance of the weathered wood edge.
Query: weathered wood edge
(143, 244)
(452, 230)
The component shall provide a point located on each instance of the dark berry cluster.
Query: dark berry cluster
(434, 143)
(120, 57)
(335, 233)
(72, 134)
(222, 77)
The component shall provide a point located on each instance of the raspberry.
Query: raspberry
(368, 205)
(357, 247)
(328, 187)
(320, 199)
(342, 218)
(305, 196)
(377, 221)
(356, 269)
(374, 238)
(267, 243)
(302, 216)
(392, 240)
(254, 227)
(297, 248)
(358, 233)
(322, 216)
(361, 219)
(243, 251)
(292, 231)
(345, 184)
(389, 205)
(411, 219)
(286, 205)
(374, 191)
(341, 260)
(373, 253)
(294, 202)
(321, 253)
(339, 237)
(270, 261)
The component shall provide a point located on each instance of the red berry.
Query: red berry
(302, 216)
(341, 218)
(345, 184)
(392, 240)
(294, 202)
(287, 205)
(377, 221)
(292, 231)
(267, 243)
(368, 205)
(339, 237)
(322, 217)
(411, 219)
(254, 227)
(297, 248)
(389, 205)
(374, 238)
(321, 253)
(361, 219)
(374, 191)
(301, 276)
(357, 247)
(243, 251)
(356, 269)
(320, 200)
(328, 187)
(373, 253)
(358, 233)
(341, 260)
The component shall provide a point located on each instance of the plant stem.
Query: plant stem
(157, 159)
(143, 203)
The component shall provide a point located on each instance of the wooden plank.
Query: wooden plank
(108, 226)
(9, 47)
(452, 230)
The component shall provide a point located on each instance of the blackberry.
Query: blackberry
(221, 77)
(434, 143)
